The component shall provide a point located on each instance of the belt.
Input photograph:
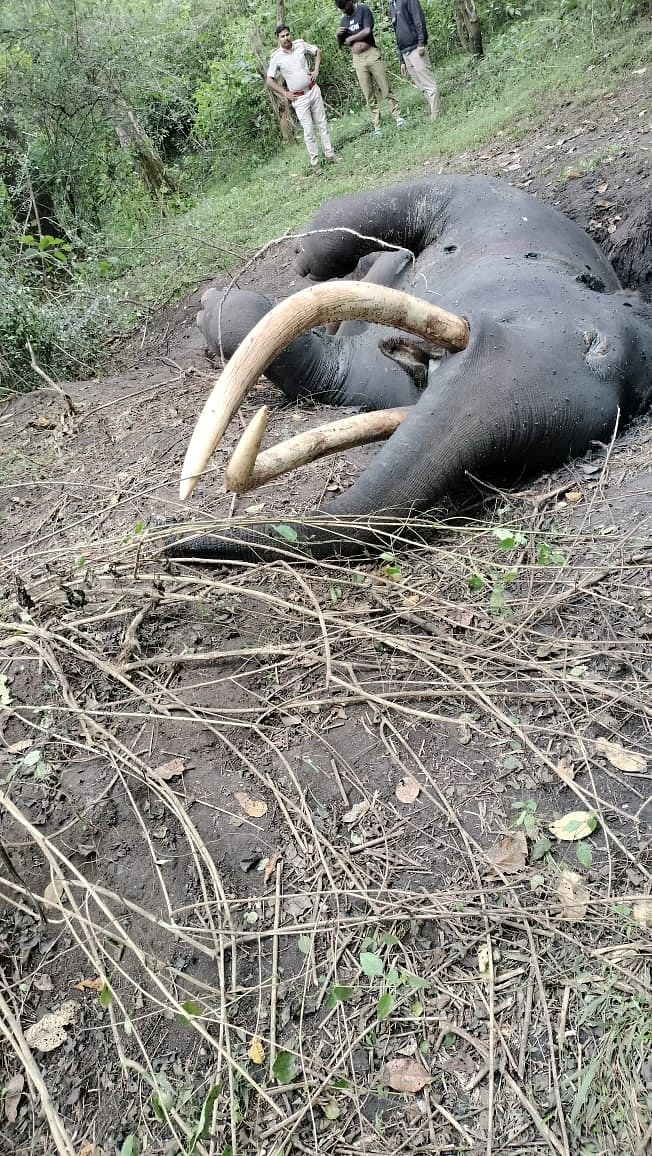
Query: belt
(303, 91)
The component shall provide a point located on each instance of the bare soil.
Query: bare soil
(263, 924)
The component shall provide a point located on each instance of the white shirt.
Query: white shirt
(292, 65)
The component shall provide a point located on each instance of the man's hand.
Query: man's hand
(403, 68)
(421, 50)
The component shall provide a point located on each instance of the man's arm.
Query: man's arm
(276, 88)
(418, 20)
(315, 68)
(366, 26)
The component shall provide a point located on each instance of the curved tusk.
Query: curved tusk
(243, 461)
(307, 447)
(332, 301)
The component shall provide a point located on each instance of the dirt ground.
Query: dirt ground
(276, 842)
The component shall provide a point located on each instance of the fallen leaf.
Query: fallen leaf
(19, 747)
(566, 768)
(255, 808)
(270, 867)
(642, 912)
(356, 813)
(573, 496)
(510, 853)
(89, 1150)
(94, 984)
(53, 893)
(50, 1031)
(43, 981)
(13, 1090)
(256, 1051)
(603, 187)
(404, 1075)
(574, 897)
(42, 422)
(5, 696)
(576, 825)
(407, 790)
(621, 759)
(167, 770)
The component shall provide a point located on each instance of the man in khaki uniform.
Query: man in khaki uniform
(412, 43)
(356, 31)
(302, 90)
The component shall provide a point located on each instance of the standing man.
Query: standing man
(301, 90)
(412, 40)
(356, 31)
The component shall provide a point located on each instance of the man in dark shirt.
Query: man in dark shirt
(356, 31)
(412, 40)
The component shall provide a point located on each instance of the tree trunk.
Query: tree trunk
(468, 26)
(133, 139)
(281, 110)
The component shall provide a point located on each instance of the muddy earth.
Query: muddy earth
(286, 852)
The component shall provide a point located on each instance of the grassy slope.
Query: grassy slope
(525, 70)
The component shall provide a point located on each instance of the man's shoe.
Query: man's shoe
(378, 132)
(332, 159)
(400, 120)
(313, 170)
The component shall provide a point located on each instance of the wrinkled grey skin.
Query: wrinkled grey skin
(557, 351)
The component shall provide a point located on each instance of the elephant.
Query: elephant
(543, 354)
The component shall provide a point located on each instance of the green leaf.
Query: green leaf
(331, 1110)
(304, 943)
(286, 532)
(413, 981)
(543, 553)
(335, 593)
(129, 1146)
(338, 994)
(475, 582)
(537, 881)
(392, 571)
(584, 854)
(32, 758)
(387, 556)
(205, 1118)
(389, 940)
(541, 848)
(191, 1009)
(507, 539)
(512, 763)
(392, 976)
(106, 996)
(284, 1067)
(385, 1005)
(371, 964)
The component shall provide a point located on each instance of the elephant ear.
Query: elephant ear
(414, 356)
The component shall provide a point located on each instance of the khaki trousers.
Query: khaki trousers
(420, 72)
(372, 79)
(311, 115)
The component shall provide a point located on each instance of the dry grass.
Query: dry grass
(543, 1048)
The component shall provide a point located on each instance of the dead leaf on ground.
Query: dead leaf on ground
(42, 422)
(13, 1090)
(93, 984)
(358, 810)
(168, 770)
(89, 1150)
(50, 1031)
(510, 853)
(574, 897)
(256, 1051)
(255, 808)
(573, 496)
(407, 791)
(566, 768)
(43, 981)
(627, 761)
(19, 747)
(270, 867)
(603, 187)
(642, 912)
(404, 1075)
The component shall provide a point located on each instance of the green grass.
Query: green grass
(526, 70)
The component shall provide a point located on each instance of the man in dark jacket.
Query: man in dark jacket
(412, 41)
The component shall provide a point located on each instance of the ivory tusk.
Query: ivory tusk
(332, 301)
(307, 447)
(243, 461)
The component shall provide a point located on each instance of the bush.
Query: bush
(63, 332)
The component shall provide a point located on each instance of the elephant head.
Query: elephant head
(547, 355)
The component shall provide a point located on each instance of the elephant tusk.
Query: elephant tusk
(246, 472)
(243, 461)
(332, 301)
